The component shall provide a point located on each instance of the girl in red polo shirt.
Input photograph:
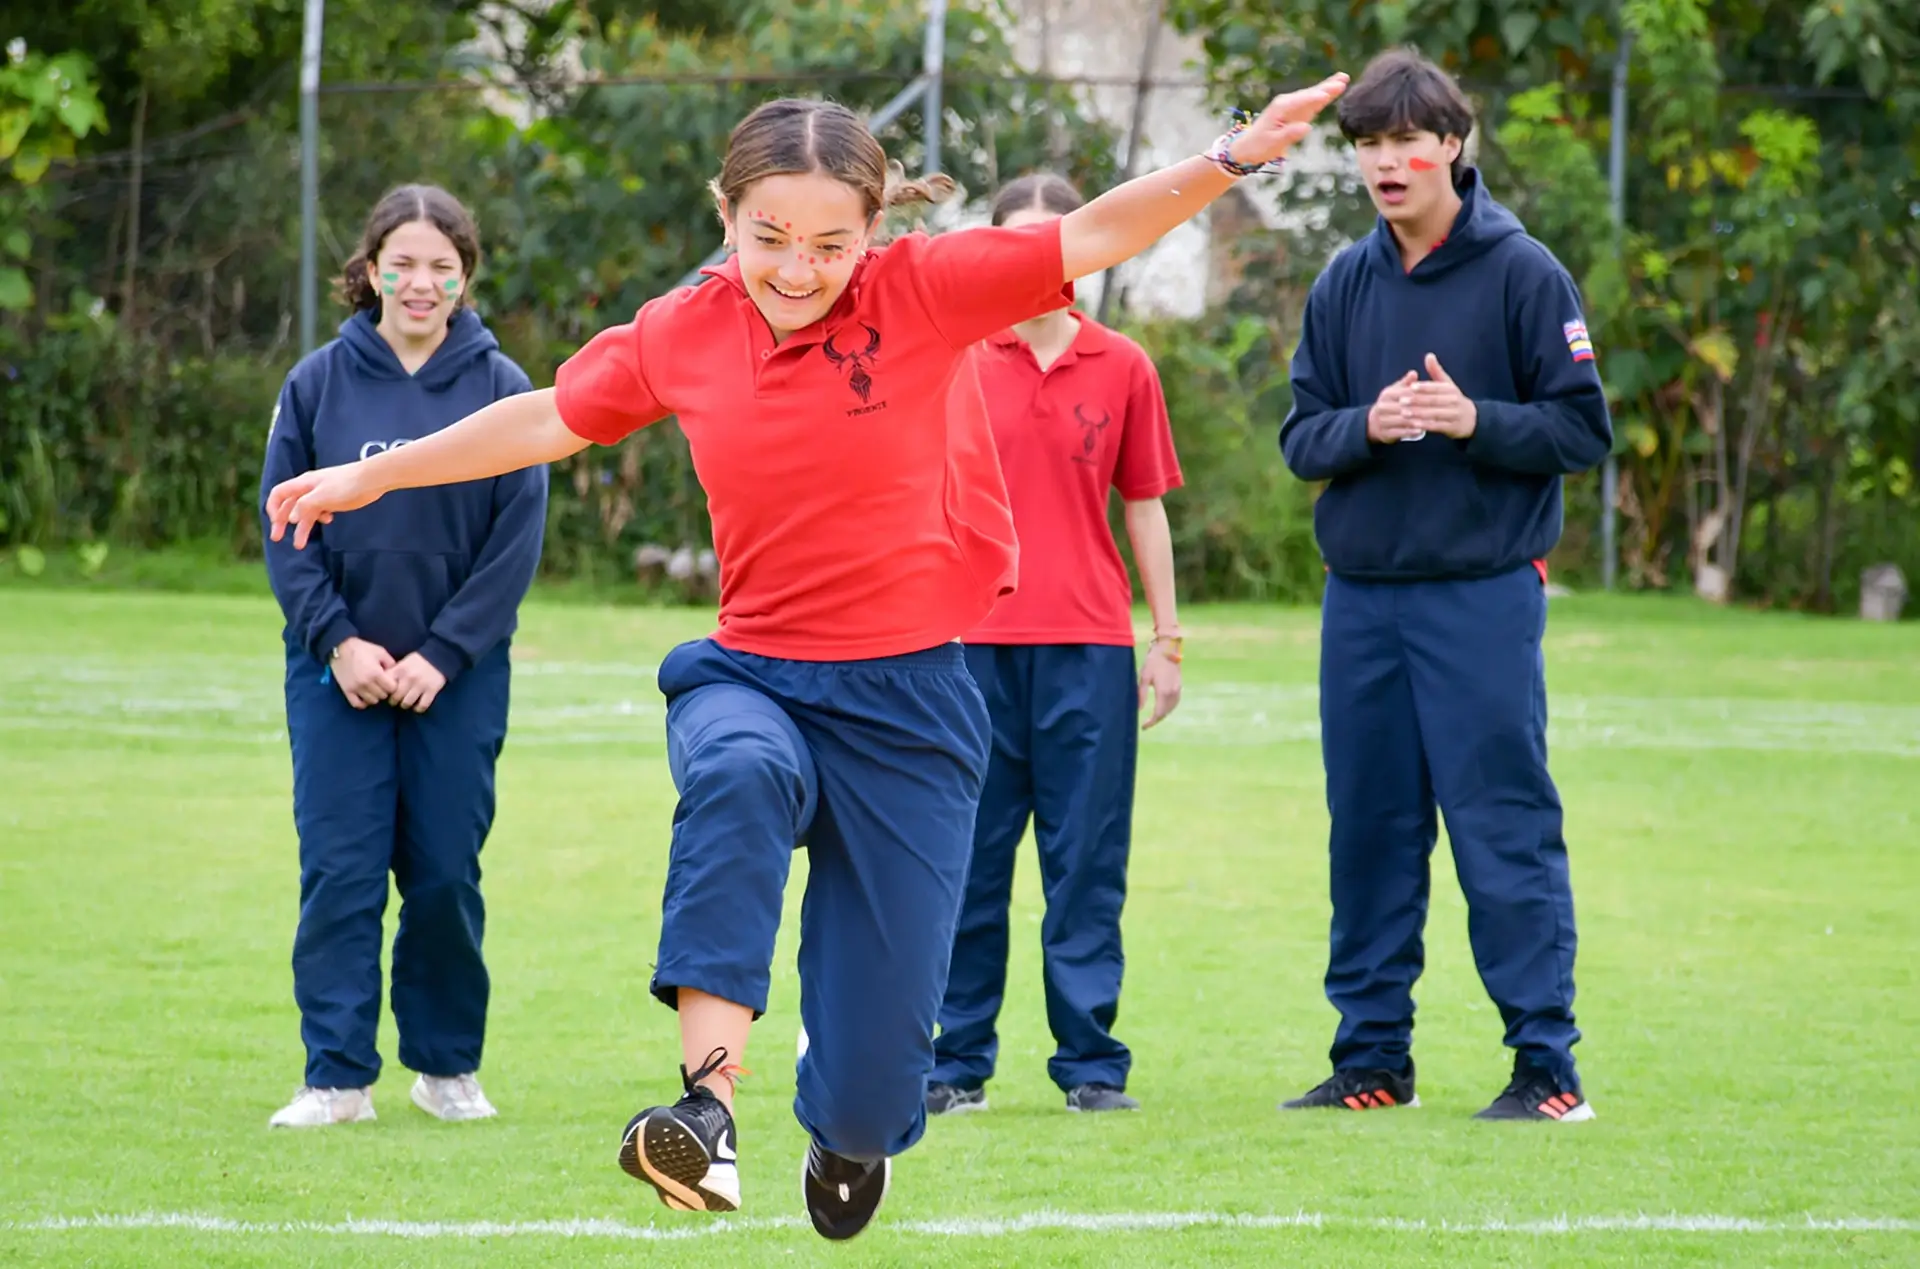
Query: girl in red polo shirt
(861, 526)
(1077, 412)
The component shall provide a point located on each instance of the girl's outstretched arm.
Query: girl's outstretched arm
(510, 434)
(1129, 218)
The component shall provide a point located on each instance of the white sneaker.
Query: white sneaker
(452, 1097)
(318, 1107)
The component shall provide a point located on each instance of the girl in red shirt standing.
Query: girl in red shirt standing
(1077, 412)
(862, 527)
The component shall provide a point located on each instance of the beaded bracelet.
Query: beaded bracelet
(1221, 152)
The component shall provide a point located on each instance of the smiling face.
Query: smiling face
(1408, 173)
(798, 238)
(419, 278)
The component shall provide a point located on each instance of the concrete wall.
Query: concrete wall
(1104, 39)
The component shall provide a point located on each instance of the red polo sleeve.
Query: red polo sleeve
(1147, 465)
(981, 280)
(602, 391)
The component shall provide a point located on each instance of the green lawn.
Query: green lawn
(1741, 795)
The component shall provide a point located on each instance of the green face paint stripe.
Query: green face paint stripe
(453, 284)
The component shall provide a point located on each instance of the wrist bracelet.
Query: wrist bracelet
(1221, 151)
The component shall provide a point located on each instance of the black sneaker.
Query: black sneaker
(951, 1099)
(687, 1151)
(1100, 1097)
(1534, 1094)
(1355, 1089)
(842, 1195)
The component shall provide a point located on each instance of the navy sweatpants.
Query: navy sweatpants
(875, 767)
(1065, 737)
(385, 790)
(1436, 692)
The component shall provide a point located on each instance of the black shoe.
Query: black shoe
(842, 1195)
(1100, 1097)
(1534, 1094)
(687, 1151)
(1355, 1089)
(951, 1099)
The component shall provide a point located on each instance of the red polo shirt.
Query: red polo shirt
(858, 507)
(1093, 421)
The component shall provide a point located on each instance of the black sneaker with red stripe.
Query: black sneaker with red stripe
(1356, 1089)
(1535, 1094)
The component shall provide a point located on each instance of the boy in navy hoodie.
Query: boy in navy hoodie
(1443, 386)
(397, 669)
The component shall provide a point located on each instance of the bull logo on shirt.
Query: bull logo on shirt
(1091, 425)
(857, 363)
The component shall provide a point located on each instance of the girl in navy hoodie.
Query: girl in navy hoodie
(396, 635)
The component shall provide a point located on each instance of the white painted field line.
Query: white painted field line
(965, 1227)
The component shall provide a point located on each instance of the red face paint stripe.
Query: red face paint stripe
(1419, 164)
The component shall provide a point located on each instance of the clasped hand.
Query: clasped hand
(1410, 407)
(368, 675)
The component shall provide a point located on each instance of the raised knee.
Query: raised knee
(747, 763)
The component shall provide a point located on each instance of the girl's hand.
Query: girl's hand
(415, 683)
(364, 672)
(313, 497)
(1286, 121)
(1160, 674)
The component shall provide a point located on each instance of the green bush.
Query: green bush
(106, 441)
(1242, 525)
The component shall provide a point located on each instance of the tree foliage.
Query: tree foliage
(48, 105)
(165, 234)
(1757, 311)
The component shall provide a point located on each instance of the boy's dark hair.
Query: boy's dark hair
(1401, 91)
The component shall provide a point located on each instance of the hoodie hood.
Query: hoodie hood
(468, 340)
(1479, 226)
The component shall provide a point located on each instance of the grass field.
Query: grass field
(1741, 794)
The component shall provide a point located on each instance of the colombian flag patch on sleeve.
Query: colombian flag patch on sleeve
(1578, 342)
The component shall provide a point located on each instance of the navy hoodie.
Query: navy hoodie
(1503, 317)
(440, 570)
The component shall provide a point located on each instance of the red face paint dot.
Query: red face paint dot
(1421, 165)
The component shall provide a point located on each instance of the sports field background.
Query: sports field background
(1741, 794)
